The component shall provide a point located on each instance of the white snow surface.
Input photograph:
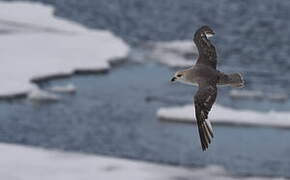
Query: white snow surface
(224, 115)
(34, 43)
(23, 163)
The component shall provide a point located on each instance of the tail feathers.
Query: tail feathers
(236, 80)
(205, 133)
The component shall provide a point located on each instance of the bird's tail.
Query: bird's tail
(235, 80)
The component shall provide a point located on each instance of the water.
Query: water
(252, 33)
(115, 114)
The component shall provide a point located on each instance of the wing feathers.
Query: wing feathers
(205, 135)
(208, 125)
(202, 137)
(203, 101)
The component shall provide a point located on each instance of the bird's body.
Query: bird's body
(207, 77)
(199, 73)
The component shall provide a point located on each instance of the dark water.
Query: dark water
(115, 114)
(251, 33)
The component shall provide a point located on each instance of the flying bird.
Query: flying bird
(205, 75)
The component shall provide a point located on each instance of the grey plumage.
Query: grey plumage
(207, 77)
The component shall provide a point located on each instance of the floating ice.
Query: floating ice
(246, 94)
(277, 96)
(68, 88)
(40, 45)
(223, 115)
(174, 53)
(22, 163)
(256, 94)
(39, 95)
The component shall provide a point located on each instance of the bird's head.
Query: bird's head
(178, 76)
(204, 31)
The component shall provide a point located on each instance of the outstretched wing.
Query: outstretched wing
(207, 52)
(203, 101)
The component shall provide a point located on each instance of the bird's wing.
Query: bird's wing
(207, 52)
(203, 101)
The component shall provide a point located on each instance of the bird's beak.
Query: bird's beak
(173, 79)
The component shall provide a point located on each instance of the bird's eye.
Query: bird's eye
(179, 75)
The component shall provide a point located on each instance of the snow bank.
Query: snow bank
(35, 44)
(223, 115)
(23, 163)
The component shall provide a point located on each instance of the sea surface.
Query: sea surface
(115, 114)
(254, 34)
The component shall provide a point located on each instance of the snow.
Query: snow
(37, 44)
(23, 163)
(224, 115)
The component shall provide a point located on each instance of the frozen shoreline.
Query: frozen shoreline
(39, 46)
(24, 162)
(227, 116)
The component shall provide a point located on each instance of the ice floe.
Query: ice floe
(23, 162)
(38, 95)
(181, 47)
(39, 45)
(224, 115)
(246, 94)
(68, 88)
(172, 53)
(175, 53)
(256, 94)
(278, 96)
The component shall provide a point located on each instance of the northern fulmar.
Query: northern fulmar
(205, 75)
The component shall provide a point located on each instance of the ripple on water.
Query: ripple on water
(110, 114)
